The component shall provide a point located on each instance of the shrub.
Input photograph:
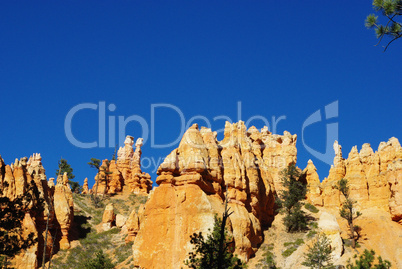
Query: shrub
(206, 250)
(366, 260)
(289, 251)
(319, 254)
(293, 247)
(311, 208)
(99, 262)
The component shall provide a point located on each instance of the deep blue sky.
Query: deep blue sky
(278, 58)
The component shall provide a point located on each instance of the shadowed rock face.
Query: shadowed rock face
(57, 208)
(374, 178)
(125, 173)
(193, 180)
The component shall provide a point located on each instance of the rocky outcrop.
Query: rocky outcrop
(15, 180)
(85, 188)
(193, 179)
(125, 173)
(330, 227)
(102, 179)
(374, 178)
(120, 220)
(133, 226)
(108, 218)
(64, 209)
(395, 181)
(313, 184)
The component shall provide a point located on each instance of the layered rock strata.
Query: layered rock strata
(193, 180)
(374, 178)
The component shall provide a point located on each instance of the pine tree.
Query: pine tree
(391, 10)
(289, 200)
(366, 261)
(214, 251)
(64, 167)
(100, 261)
(95, 163)
(348, 211)
(107, 173)
(319, 254)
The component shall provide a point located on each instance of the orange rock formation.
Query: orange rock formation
(85, 188)
(64, 208)
(125, 172)
(374, 178)
(192, 183)
(17, 176)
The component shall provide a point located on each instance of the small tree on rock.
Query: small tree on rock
(95, 163)
(64, 167)
(214, 251)
(106, 173)
(318, 255)
(348, 211)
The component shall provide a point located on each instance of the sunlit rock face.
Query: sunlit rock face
(193, 180)
(374, 178)
(85, 188)
(57, 204)
(124, 173)
(64, 209)
(313, 184)
(108, 218)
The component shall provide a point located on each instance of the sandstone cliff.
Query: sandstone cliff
(374, 178)
(193, 180)
(125, 173)
(17, 176)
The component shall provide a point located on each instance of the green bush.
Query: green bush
(123, 252)
(299, 242)
(313, 225)
(311, 208)
(268, 260)
(286, 244)
(311, 234)
(101, 261)
(366, 260)
(319, 254)
(289, 251)
(293, 246)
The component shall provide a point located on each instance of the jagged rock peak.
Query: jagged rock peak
(194, 177)
(125, 173)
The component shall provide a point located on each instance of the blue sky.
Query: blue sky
(274, 58)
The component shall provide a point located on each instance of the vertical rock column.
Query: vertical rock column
(64, 208)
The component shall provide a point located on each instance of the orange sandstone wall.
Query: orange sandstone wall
(58, 206)
(374, 178)
(192, 183)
